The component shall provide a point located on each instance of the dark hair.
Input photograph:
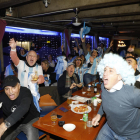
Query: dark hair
(84, 58)
(76, 59)
(46, 62)
(133, 54)
(95, 50)
(132, 58)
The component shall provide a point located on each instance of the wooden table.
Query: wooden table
(81, 132)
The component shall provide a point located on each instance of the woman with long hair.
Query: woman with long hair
(79, 67)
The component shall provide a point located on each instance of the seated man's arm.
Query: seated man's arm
(41, 77)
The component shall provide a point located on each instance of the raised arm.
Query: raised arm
(77, 43)
(84, 45)
(13, 53)
(62, 49)
(108, 49)
(76, 50)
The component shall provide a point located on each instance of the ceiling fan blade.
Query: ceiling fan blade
(60, 21)
(90, 19)
(69, 24)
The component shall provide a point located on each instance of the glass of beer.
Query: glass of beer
(53, 117)
(69, 101)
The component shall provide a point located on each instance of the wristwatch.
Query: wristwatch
(7, 124)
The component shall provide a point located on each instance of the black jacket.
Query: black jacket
(21, 110)
(61, 84)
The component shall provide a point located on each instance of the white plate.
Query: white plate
(97, 95)
(80, 98)
(72, 109)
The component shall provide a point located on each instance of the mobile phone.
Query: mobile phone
(59, 116)
(63, 109)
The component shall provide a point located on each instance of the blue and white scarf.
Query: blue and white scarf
(34, 90)
(8, 71)
(61, 66)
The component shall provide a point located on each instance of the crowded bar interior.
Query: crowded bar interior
(69, 70)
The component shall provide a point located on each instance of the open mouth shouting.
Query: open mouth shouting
(105, 81)
(12, 96)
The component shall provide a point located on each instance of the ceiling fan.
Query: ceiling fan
(75, 21)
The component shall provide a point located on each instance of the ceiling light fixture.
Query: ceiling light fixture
(46, 2)
(10, 10)
(76, 23)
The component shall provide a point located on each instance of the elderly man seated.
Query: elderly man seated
(68, 82)
(120, 100)
(18, 109)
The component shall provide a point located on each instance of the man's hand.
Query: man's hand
(91, 59)
(111, 44)
(73, 85)
(3, 128)
(36, 81)
(96, 119)
(76, 39)
(12, 43)
(75, 48)
(62, 47)
(45, 75)
(83, 39)
(79, 85)
(130, 49)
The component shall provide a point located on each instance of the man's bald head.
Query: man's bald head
(31, 57)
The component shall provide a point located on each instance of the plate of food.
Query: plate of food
(80, 109)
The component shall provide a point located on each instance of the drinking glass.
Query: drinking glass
(84, 90)
(69, 100)
(89, 122)
(89, 102)
(53, 117)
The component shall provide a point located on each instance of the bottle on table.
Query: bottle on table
(85, 117)
(89, 87)
(95, 88)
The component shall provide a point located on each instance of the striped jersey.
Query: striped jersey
(81, 71)
(93, 68)
(24, 70)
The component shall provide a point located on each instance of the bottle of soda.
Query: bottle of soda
(95, 88)
(85, 117)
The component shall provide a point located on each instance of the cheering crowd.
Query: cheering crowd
(120, 88)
